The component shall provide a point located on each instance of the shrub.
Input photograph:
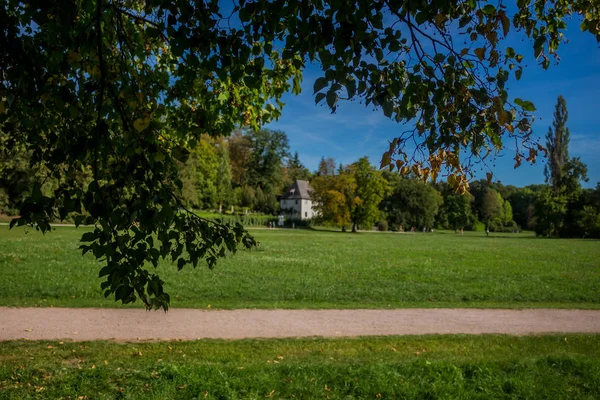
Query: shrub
(382, 225)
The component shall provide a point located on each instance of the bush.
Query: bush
(382, 225)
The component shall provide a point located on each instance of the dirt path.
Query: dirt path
(189, 324)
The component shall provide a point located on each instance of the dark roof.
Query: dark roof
(298, 190)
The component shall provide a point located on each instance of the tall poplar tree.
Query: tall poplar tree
(557, 143)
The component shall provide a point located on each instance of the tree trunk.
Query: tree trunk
(344, 228)
(354, 228)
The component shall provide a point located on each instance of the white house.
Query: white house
(296, 202)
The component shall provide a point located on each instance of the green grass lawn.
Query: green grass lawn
(427, 367)
(319, 269)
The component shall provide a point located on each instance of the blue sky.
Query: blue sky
(355, 131)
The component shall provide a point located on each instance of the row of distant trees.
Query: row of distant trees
(247, 170)
(359, 196)
(250, 169)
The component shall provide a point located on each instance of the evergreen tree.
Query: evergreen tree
(295, 170)
(326, 167)
(557, 143)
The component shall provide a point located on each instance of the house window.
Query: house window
(306, 215)
(296, 202)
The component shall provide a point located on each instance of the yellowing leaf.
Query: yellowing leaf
(141, 123)
(480, 53)
(489, 176)
(2, 107)
(505, 22)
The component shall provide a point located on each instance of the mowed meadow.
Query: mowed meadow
(325, 269)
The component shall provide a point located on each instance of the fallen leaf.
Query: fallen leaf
(327, 389)
(93, 366)
(28, 330)
(50, 347)
(394, 349)
(75, 333)
(280, 357)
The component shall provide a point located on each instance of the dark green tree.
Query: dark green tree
(412, 202)
(457, 209)
(557, 144)
(491, 205)
(522, 201)
(295, 170)
(265, 169)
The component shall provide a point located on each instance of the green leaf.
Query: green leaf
(319, 97)
(14, 222)
(438, 58)
(388, 108)
(538, 45)
(489, 9)
(332, 99)
(88, 237)
(421, 18)
(525, 105)
(319, 84)
(518, 73)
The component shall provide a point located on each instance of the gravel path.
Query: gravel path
(189, 324)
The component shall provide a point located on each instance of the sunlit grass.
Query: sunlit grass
(312, 269)
(449, 367)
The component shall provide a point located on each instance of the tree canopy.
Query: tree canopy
(124, 89)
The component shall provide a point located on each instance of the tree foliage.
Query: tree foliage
(295, 170)
(334, 198)
(370, 190)
(351, 197)
(457, 210)
(412, 203)
(557, 144)
(126, 89)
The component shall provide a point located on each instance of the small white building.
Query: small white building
(296, 202)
